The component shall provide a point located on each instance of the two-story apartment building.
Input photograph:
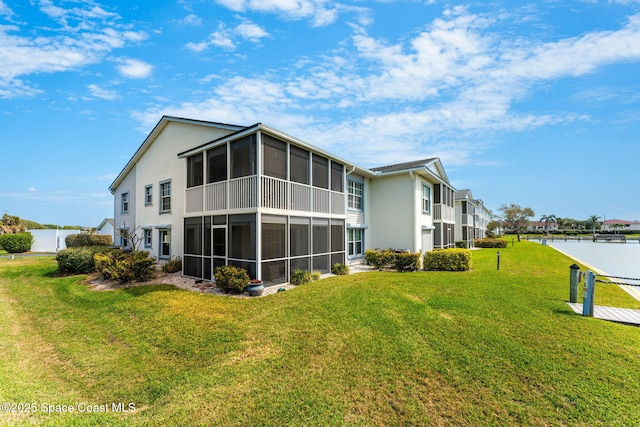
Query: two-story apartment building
(254, 197)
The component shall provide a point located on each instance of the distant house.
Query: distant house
(254, 197)
(541, 226)
(472, 218)
(620, 225)
(106, 227)
(50, 240)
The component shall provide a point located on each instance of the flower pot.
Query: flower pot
(255, 288)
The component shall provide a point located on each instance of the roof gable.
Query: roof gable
(431, 166)
(155, 132)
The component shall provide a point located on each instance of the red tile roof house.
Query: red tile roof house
(620, 224)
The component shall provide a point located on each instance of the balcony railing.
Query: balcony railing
(443, 213)
(242, 193)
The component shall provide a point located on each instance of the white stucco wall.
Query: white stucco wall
(397, 220)
(160, 163)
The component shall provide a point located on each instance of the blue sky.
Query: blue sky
(530, 103)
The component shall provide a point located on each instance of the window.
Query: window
(274, 157)
(299, 236)
(298, 165)
(242, 239)
(355, 242)
(274, 236)
(337, 235)
(193, 236)
(243, 157)
(165, 244)
(148, 195)
(337, 177)
(426, 199)
(165, 197)
(124, 202)
(320, 236)
(195, 171)
(217, 164)
(320, 171)
(355, 195)
(147, 238)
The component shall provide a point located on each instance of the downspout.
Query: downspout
(414, 212)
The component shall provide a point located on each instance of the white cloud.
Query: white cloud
(31, 189)
(5, 10)
(226, 38)
(319, 11)
(251, 32)
(134, 68)
(99, 92)
(191, 20)
(96, 33)
(444, 87)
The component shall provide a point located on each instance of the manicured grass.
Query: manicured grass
(429, 348)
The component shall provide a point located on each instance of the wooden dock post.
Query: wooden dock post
(574, 278)
(588, 294)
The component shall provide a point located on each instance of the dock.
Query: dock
(620, 315)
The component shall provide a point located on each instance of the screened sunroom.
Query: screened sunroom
(265, 202)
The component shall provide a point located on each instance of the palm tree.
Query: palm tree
(592, 222)
(548, 219)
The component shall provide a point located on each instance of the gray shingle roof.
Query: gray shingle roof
(404, 166)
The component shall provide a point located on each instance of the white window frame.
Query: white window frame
(355, 200)
(124, 202)
(163, 196)
(352, 240)
(148, 195)
(426, 201)
(148, 237)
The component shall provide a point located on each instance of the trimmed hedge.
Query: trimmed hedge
(406, 261)
(339, 269)
(300, 277)
(80, 240)
(231, 279)
(125, 266)
(490, 243)
(16, 243)
(379, 259)
(78, 260)
(447, 260)
(400, 261)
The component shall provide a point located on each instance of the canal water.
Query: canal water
(613, 259)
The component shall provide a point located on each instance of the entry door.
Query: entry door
(219, 246)
(427, 241)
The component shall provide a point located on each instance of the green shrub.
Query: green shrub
(447, 260)
(16, 243)
(125, 266)
(299, 277)
(406, 261)
(231, 279)
(490, 243)
(78, 260)
(80, 240)
(462, 244)
(340, 269)
(379, 259)
(173, 265)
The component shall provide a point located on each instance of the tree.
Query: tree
(493, 228)
(516, 217)
(10, 224)
(593, 222)
(548, 219)
(131, 238)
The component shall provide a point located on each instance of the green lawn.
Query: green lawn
(484, 347)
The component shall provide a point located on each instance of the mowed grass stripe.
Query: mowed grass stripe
(435, 348)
